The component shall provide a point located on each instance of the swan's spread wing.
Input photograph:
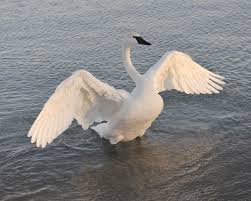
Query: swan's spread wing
(177, 70)
(81, 97)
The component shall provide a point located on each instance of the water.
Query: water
(198, 148)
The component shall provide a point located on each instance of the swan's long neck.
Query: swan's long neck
(126, 54)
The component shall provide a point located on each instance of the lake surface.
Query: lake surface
(199, 148)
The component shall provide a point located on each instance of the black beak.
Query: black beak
(141, 41)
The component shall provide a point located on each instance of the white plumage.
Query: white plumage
(88, 100)
(176, 70)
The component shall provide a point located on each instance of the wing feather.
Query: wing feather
(177, 70)
(81, 97)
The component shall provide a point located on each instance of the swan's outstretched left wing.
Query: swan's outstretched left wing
(81, 97)
(177, 70)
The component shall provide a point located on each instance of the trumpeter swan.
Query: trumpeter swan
(86, 99)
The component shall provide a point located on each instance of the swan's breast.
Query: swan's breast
(153, 105)
(137, 115)
(144, 107)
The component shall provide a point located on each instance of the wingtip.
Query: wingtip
(217, 76)
(29, 133)
(33, 140)
(220, 77)
(38, 143)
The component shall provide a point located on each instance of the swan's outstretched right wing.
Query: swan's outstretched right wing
(177, 70)
(81, 97)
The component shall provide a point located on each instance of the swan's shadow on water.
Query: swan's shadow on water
(124, 171)
(136, 169)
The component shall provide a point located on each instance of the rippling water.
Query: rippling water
(198, 149)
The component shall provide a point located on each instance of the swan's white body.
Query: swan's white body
(88, 100)
(137, 113)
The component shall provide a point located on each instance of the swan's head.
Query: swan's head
(133, 39)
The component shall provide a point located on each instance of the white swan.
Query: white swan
(128, 115)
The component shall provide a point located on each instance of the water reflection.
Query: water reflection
(139, 168)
